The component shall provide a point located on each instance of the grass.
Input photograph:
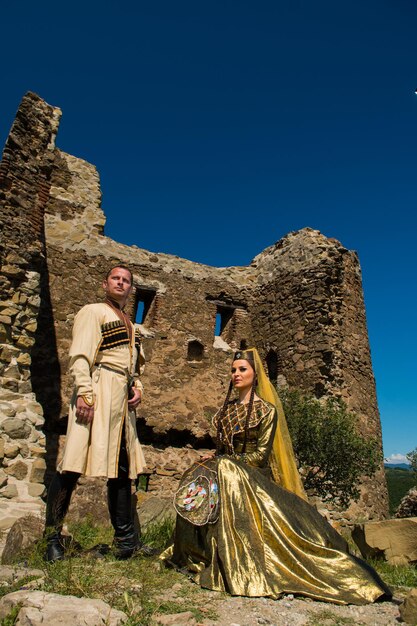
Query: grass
(397, 577)
(140, 587)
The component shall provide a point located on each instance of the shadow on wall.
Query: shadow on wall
(46, 372)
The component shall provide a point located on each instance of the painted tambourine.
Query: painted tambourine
(198, 499)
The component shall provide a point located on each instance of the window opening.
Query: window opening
(195, 351)
(223, 317)
(143, 305)
(272, 363)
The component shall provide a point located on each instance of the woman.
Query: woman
(264, 539)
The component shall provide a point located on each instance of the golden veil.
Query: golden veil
(282, 459)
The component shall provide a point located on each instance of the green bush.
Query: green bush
(399, 482)
(332, 454)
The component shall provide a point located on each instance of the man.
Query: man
(101, 435)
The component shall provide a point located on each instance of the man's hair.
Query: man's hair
(122, 267)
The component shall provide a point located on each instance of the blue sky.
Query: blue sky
(217, 128)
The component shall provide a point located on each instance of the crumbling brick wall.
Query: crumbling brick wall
(300, 302)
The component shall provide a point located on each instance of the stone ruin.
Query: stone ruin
(300, 302)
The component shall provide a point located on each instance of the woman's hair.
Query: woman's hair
(245, 355)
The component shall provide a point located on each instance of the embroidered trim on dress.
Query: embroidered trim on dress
(234, 419)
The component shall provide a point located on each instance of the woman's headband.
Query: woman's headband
(247, 355)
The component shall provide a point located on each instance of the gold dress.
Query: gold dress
(267, 541)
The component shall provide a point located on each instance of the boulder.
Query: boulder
(16, 428)
(395, 540)
(23, 534)
(408, 505)
(89, 501)
(177, 619)
(10, 575)
(52, 609)
(154, 510)
(19, 470)
(38, 470)
(408, 609)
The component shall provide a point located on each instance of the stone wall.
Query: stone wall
(300, 301)
(309, 311)
(24, 187)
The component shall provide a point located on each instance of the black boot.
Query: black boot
(119, 491)
(59, 497)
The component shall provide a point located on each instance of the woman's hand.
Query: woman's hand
(207, 457)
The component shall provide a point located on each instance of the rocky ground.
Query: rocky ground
(289, 611)
(212, 608)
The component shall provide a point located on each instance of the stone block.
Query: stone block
(7, 521)
(37, 472)
(25, 386)
(12, 372)
(11, 311)
(31, 327)
(13, 272)
(24, 450)
(394, 539)
(24, 359)
(3, 478)
(36, 450)
(153, 510)
(186, 618)
(23, 341)
(19, 470)
(36, 490)
(11, 450)
(23, 534)
(16, 428)
(7, 409)
(10, 384)
(408, 505)
(40, 607)
(10, 491)
(408, 609)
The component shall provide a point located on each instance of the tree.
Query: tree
(332, 454)
(412, 457)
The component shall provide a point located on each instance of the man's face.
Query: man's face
(118, 285)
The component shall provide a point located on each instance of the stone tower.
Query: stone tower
(299, 301)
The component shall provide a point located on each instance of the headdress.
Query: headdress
(282, 459)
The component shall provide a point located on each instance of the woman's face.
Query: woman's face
(242, 374)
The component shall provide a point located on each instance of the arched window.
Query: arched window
(195, 351)
(272, 363)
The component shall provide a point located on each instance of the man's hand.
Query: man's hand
(136, 399)
(83, 411)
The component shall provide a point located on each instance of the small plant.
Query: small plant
(333, 456)
(159, 535)
(326, 617)
(10, 618)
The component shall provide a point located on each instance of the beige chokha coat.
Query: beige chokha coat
(101, 341)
